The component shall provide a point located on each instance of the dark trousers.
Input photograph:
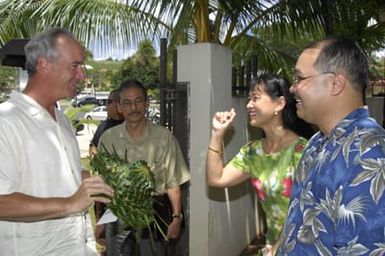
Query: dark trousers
(123, 242)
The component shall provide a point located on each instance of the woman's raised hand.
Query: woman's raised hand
(222, 120)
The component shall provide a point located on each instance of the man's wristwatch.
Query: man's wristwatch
(179, 216)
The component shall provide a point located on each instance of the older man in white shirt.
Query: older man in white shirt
(44, 195)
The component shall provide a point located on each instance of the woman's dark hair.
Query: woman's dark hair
(127, 84)
(276, 86)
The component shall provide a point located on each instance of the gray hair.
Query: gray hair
(43, 46)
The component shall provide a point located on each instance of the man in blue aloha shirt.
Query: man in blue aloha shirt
(338, 204)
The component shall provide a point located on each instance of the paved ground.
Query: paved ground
(84, 137)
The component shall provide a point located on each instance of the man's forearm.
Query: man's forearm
(175, 197)
(24, 208)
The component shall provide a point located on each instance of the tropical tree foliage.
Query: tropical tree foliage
(280, 43)
(260, 27)
(8, 76)
(100, 75)
(143, 66)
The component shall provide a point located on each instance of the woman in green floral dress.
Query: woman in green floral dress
(270, 162)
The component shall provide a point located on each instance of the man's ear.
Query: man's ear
(43, 65)
(338, 84)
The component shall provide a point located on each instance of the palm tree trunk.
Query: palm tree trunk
(202, 21)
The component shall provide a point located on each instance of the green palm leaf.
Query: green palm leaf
(133, 184)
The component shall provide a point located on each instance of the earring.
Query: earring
(276, 112)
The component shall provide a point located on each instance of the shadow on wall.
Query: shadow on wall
(234, 193)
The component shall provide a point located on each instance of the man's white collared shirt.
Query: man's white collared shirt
(40, 157)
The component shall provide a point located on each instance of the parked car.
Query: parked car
(85, 100)
(98, 113)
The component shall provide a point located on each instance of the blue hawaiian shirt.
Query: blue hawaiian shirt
(338, 205)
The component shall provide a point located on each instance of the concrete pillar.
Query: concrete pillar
(221, 221)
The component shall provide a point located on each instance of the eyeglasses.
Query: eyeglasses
(109, 101)
(136, 102)
(297, 79)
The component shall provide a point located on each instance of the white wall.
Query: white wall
(221, 220)
(23, 78)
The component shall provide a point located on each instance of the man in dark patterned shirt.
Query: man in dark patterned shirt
(114, 117)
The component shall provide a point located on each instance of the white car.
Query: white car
(98, 113)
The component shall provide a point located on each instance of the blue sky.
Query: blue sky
(107, 50)
(116, 52)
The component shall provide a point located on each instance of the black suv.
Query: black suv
(84, 101)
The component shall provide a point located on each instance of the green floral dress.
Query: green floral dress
(272, 178)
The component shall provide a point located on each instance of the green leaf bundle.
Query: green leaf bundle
(133, 183)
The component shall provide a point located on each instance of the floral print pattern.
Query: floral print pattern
(272, 179)
(258, 188)
(287, 183)
(338, 203)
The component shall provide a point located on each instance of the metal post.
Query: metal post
(163, 79)
(254, 66)
(241, 80)
(248, 76)
(233, 80)
(175, 67)
(383, 98)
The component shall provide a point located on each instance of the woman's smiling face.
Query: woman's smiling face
(261, 107)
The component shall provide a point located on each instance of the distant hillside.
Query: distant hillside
(102, 75)
(105, 65)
